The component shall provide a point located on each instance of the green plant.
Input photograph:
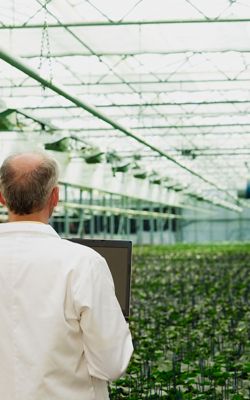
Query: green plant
(190, 322)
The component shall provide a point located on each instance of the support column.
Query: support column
(66, 213)
(80, 232)
(112, 219)
(170, 227)
(179, 236)
(161, 225)
(92, 219)
(151, 223)
(127, 205)
(105, 219)
(139, 223)
(211, 225)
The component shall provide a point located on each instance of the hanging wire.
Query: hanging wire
(45, 43)
(139, 114)
(13, 9)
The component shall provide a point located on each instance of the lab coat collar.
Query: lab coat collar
(29, 227)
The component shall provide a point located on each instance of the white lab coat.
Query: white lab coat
(62, 332)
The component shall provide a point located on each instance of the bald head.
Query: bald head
(26, 162)
(26, 181)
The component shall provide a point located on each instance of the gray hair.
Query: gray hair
(27, 191)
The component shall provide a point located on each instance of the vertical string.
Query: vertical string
(45, 44)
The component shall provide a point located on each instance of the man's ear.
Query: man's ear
(55, 196)
(2, 199)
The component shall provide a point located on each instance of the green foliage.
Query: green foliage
(190, 324)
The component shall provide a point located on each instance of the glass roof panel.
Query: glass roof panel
(174, 75)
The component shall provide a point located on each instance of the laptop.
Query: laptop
(118, 255)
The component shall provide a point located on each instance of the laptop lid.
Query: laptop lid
(118, 255)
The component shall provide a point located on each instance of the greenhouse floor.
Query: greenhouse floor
(190, 321)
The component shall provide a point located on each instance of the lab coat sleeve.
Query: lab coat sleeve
(106, 337)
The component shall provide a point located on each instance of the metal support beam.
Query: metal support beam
(165, 126)
(5, 56)
(80, 232)
(139, 223)
(126, 23)
(92, 219)
(161, 225)
(178, 233)
(151, 226)
(120, 230)
(144, 81)
(128, 221)
(112, 204)
(105, 219)
(174, 103)
(156, 104)
(66, 214)
(94, 209)
(133, 53)
(172, 134)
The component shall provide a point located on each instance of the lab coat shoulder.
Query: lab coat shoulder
(86, 267)
(85, 262)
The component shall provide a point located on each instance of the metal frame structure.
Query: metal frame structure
(183, 89)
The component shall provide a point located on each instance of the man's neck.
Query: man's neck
(35, 217)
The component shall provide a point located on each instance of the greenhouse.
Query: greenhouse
(146, 109)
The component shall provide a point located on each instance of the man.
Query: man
(62, 332)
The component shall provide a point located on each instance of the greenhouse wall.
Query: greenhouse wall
(219, 226)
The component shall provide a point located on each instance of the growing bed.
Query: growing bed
(190, 322)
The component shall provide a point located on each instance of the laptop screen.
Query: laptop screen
(118, 256)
